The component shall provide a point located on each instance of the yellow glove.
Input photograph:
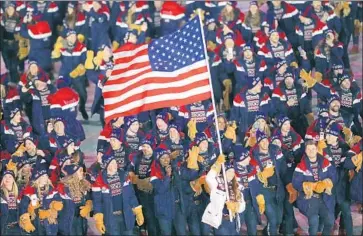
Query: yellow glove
(19, 151)
(346, 9)
(136, 27)
(144, 185)
(56, 205)
(139, 216)
(211, 46)
(99, 223)
(251, 142)
(204, 183)
(86, 209)
(192, 162)
(217, 166)
(134, 178)
(192, 128)
(25, 223)
(57, 47)
(196, 186)
(31, 210)
(44, 214)
(98, 59)
(226, 102)
(74, 74)
(292, 193)
(11, 166)
(319, 187)
(347, 134)
(321, 146)
(81, 70)
(309, 80)
(357, 161)
(231, 132)
(89, 61)
(265, 174)
(80, 38)
(23, 48)
(308, 188)
(115, 45)
(318, 76)
(227, 85)
(294, 64)
(261, 203)
(232, 207)
(328, 185)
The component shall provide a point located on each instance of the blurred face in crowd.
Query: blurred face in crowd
(330, 37)
(277, 142)
(50, 127)
(135, 127)
(71, 39)
(107, 52)
(331, 139)
(174, 135)
(79, 173)
(132, 38)
(257, 88)
(311, 151)
(274, 37)
(286, 127)
(230, 174)
(43, 180)
(289, 82)
(146, 150)
(203, 146)
(112, 167)
(96, 5)
(229, 43)
(115, 143)
(338, 71)
(316, 5)
(261, 124)
(40, 85)
(70, 149)
(263, 144)
(165, 160)
(212, 26)
(70, 10)
(282, 69)
(8, 181)
(276, 3)
(17, 118)
(345, 84)
(26, 169)
(10, 10)
(245, 162)
(335, 106)
(99, 157)
(247, 54)
(221, 123)
(59, 128)
(158, 4)
(33, 69)
(118, 122)
(253, 9)
(160, 123)
(30, 147)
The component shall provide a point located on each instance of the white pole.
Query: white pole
(214, 108)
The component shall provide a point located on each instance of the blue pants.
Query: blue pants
(319, 211)
(147, 202)
(273, 211)
(165, 226)
(79, 226)
(249, 216)
(11, 230)
(289, 216)
(118, 226)
(344, 208)
(227, 228)
(180, 220)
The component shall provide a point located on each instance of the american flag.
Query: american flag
(170, 71)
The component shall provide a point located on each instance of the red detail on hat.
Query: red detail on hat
(64, 96)
(172, 8)
(39, 28)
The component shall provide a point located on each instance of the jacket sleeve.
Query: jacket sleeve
(97, 194)
(298, 179)
(160, 185)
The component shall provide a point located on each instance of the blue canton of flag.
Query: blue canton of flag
(178, 50)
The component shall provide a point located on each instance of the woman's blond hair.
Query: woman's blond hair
(14, 189)
(76, 186)
(227, 16)
(47, 185)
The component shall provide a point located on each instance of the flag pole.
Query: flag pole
(214, 108)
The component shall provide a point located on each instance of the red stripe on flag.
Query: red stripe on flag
(160, 104)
